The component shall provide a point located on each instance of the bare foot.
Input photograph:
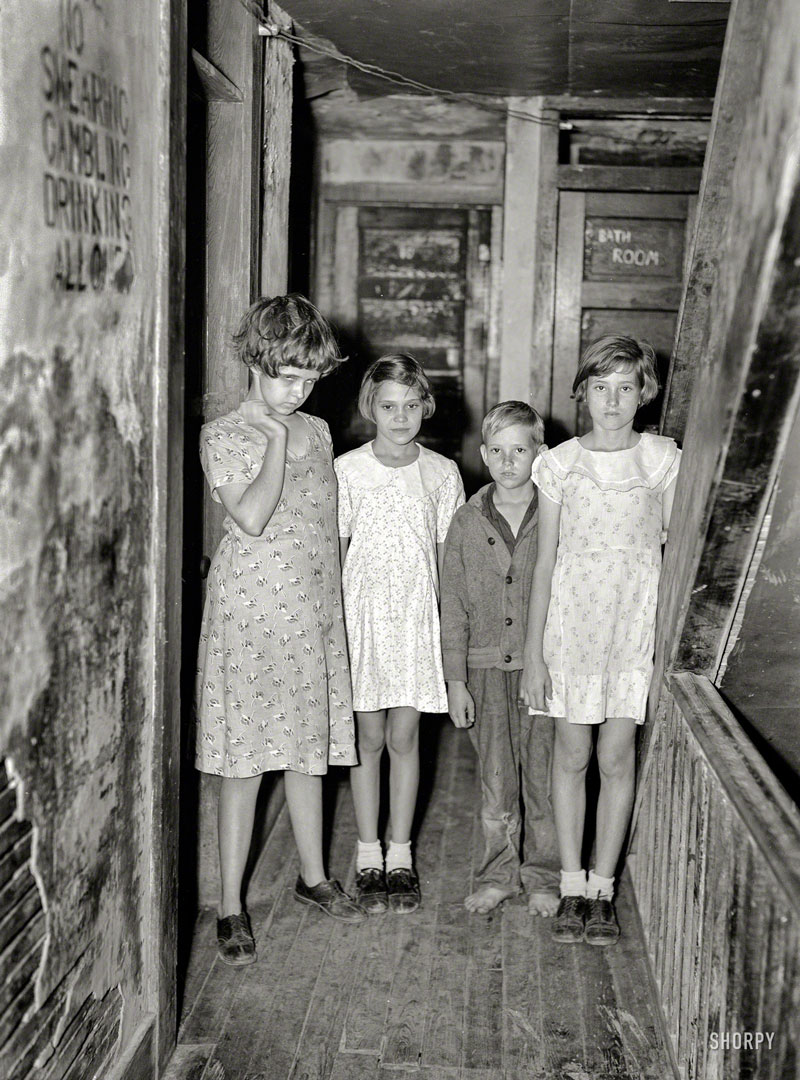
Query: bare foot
(486, 899)
(543, 903)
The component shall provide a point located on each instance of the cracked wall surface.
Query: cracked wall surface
(81, 106)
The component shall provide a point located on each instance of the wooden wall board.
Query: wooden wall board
(620, 205)
(709, 263)
(631, 48)
(247, 194)
(413, 193)
(526, 39)
(626, 178)
(542, 336)
(716, 883)
(654, 106)
(524, 159)
(569, 278)
(455, 162)
(754, 437)
(276, 141)
(168, 520)
(90, 366)
(407, 116)
(663, 46)
(746, 382)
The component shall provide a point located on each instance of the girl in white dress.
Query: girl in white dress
(604, 507)
(396, 499)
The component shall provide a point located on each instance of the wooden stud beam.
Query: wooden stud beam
(216, 86)
(746, 388)
(711, 250)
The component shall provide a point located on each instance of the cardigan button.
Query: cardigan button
(509, 622)
(491, 539)
(507, 658)
(509, 579)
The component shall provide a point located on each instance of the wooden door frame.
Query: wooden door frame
(572, 293)
(334, 263)
(247, 204)
(168, 524)
(551, 179)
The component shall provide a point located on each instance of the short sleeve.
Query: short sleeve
(451, 496)
(344, 503)
(222, 459)
(545, 479)
(323, 432)
(672, 471)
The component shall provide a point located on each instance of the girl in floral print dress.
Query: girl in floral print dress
(604, 506)
(273, 685)
(396, 499)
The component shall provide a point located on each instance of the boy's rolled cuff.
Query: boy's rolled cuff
(454, 665)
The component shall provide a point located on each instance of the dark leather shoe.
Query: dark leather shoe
(569, 919)
(371, 890)
(402, 886)
(601, 926)
(330, 897)
(235, 944)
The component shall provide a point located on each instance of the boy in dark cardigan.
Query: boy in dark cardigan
(489, 557)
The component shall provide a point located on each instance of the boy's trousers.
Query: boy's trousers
(515, 751)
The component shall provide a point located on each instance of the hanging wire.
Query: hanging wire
(473, 98)
(478, 100)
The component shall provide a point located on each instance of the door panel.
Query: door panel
(416, 280)
(619, 270)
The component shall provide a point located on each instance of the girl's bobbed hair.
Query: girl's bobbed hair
(394, 367)
(286, 331)
(610, 353)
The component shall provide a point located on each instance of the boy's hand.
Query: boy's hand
(258, 416)
(460, 704)
(535, 685)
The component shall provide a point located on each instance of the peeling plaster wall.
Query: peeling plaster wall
(80, 123)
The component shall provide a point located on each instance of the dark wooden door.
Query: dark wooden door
(415, 280)
(619, 270)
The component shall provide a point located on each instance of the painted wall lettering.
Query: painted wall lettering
(618, 249)
(86, 180)
(634, 257)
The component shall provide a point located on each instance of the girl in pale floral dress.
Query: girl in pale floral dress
(273, 686)
(604, 506)
(396, 499)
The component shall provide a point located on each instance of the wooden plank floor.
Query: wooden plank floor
(439, 995)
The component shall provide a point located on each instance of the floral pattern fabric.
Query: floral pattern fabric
(600, 630)
(394, 518)
(273, 685)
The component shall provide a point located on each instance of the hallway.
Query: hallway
(437, 995)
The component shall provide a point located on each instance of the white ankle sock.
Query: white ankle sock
(398, 855)
(573, 883)
(602, 887)
(369, 855)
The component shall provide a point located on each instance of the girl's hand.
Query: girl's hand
(535, 686)
(460, 704)
(258, 416)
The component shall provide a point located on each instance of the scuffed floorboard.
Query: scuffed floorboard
(439, 995)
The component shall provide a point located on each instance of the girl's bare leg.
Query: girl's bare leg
(402, 739)
(572, 751)
(365, 778)
(616, 759)
(235, 814)
(304, 801)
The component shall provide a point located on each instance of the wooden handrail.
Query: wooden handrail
(768, 813)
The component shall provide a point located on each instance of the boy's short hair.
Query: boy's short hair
(395, 367)
(507, 413)
(286, 331)
(607, 354)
